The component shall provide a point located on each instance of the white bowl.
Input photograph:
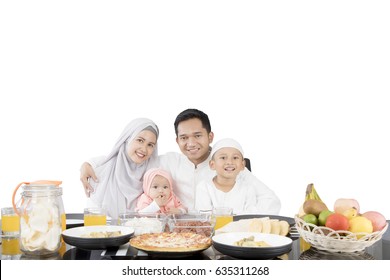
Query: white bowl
(143, 223)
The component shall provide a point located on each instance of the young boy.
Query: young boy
(230, 187)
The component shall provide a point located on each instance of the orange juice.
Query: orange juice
(303, 245)
(63, 224)
(10, 223)
(10, 245)
(94, 220)
(63, 221)
(62, 249)
(223, 216)
(220, 221)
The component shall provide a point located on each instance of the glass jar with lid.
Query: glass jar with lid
(40, 209)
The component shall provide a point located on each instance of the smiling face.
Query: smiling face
(141, 147)
(228, 162)
(160, 188)
(194, 140)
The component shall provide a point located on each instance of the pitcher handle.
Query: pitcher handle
(13, 197)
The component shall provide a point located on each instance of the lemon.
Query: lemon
(360, 224)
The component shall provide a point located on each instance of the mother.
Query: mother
(121, 172)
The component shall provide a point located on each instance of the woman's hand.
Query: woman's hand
(86, 172)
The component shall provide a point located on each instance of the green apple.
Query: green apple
(310, 219)
(323, 216)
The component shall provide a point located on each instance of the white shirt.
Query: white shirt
(242, 198)
(267, 201)
(187, 177)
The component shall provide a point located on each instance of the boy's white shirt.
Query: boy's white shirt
(242, 197)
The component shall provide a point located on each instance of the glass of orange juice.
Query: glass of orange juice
(95, 216)
(223, 216)
(10, 245)
(10, 221)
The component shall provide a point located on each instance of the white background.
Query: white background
(302, 85)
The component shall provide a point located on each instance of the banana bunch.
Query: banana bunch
(311, 195)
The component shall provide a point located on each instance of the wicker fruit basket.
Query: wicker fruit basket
(324, 238)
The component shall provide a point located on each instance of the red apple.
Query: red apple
(337, 221)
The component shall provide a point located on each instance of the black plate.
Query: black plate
(224, 243)
(72, 223)
(74, 220)
(74, 236)
(293, 231)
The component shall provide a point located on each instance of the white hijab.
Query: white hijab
(120, 179)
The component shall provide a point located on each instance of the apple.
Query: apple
(377, 219)
(323, 216)
(343, 204)
(337, 221)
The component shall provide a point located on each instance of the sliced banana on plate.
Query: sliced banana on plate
(261, 225)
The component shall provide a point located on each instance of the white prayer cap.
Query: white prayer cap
(227, 143)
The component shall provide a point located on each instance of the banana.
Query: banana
(311, 193)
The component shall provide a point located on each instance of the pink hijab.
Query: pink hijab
(145, 199)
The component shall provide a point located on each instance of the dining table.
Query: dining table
(299, 250)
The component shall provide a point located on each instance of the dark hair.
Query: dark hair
(193, 114)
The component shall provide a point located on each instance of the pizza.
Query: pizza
(171, 242)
